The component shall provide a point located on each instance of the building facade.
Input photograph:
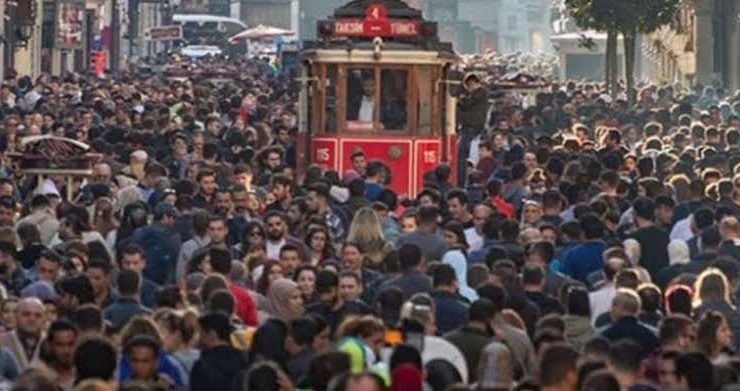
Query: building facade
(511, 25)
(276, 13)
(700, 46)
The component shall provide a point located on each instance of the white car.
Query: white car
(197, 51)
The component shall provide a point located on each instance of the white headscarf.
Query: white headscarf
(678, 252)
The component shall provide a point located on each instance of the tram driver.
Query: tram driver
(361, 107)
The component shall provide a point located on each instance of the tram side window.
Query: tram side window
(361, 97)
(394, 87)
(426, 88)
(331, 99)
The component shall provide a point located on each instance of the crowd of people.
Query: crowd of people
(582, 244)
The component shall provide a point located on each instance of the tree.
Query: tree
(639, 17)
(597, 15)
(628, 17)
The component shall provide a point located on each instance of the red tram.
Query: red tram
(375, 81)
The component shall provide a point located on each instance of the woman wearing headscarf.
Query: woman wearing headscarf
(495, 368)
(454, 237)
(406, 377)
(284, 300)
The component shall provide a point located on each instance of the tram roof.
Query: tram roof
(358, 24)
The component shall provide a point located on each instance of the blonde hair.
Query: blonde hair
(360, 327)
(711, 284)
(633, 250)
(365, 227)
(419, 313)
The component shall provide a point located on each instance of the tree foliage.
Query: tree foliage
(628, 17)
(643, 16)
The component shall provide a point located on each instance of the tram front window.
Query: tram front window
(394, 86)
(363, 98)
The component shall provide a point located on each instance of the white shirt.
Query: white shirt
(273, 249)
(475, 241)
(367, 110)
(682, 230)
(601, 301)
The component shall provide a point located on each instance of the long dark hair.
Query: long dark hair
(328, 250)
(457, 229)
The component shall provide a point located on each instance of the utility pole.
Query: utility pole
(133, 26)
(115, 33)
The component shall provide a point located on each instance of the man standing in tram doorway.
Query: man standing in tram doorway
(472, 112)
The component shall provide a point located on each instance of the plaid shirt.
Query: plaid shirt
(336, 228)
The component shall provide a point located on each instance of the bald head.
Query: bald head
(30, 316)
(481, 213)
(103, 171)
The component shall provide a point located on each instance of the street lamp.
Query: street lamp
(24, 32)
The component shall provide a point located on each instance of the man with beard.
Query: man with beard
(331, 305)
(98, 272)
(205, 199)
(24, 343)
(60, 347)
(277, 234)
(224, 205)
(297, 215)
(280, 188)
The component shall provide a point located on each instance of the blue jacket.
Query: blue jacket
(161, 246)
(584, 259)
(451, 311)
(629, 327)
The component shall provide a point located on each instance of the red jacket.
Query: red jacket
(246, 309)
(503, 207)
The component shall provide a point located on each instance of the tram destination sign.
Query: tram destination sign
(376, 24)
(163, 33)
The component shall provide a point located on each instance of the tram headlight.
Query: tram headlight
(378, 47)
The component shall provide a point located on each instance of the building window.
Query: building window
(511, 22)
(512, 44)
